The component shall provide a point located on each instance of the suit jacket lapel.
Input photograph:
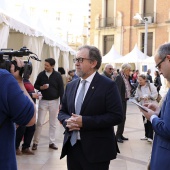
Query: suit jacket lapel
(90, 91)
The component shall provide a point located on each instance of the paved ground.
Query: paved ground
(134, 153)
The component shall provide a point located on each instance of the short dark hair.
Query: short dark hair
(51, 61)
(61, 70)
(70, 71)
(94, 54)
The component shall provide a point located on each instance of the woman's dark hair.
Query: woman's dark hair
(51, 61)
(157, 73)
(61, 70)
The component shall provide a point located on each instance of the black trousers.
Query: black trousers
(24, 132)
(148, 128)
(77, 161)
(121, 126)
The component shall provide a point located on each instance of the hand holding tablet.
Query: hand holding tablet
(140, 106)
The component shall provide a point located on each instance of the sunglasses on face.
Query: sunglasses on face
(110, 68)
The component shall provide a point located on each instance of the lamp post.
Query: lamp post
(145, 20)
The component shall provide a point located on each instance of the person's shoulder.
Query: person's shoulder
(56, 73)
(41, 73)
(105, 79)
(4, 72)
(6, 75)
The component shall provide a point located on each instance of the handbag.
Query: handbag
(159, 98)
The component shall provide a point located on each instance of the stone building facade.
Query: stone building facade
(112, 23)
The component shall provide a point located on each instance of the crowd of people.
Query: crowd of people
(50, 86)
(88, 105)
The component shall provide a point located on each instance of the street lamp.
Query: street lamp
(145, 20)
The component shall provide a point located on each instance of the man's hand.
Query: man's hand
(153, 109)
(36, 95)
(44, 87)
(20, 64)
(74, 122)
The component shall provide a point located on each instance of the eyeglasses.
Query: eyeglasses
(110, 68)
(80, 60)
(158, 66)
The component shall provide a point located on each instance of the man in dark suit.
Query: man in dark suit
(101, 109)
(124, 86)
(160, 117)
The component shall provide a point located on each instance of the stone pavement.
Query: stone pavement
(134, 152)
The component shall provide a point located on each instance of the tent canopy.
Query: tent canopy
(149, 60)
(135, 56)
(22, 23)
(111, 56)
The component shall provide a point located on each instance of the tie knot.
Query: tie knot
(83, 82)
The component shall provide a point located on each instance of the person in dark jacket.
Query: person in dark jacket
(124, 86)
(91, 106)
(148, 75)
(157, 81)
(49, 82)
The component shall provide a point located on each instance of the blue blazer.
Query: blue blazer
(160, 158)
(101, 110)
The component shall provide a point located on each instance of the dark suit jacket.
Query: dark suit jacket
(160, 158)
(101, 110)
(121, 86)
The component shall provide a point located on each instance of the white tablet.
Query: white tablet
(139, 105)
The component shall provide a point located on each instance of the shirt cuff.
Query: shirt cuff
(152, 117)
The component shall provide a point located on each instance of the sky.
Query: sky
(77, 9)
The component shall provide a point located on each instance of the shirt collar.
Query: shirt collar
(90, 78)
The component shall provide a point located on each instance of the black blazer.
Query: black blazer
(121, 86)
(101, 110)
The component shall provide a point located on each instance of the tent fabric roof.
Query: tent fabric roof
(23, 26)
(111, 56)
(134, 56)
(149, 60)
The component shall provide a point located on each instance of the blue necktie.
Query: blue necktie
(79, 102)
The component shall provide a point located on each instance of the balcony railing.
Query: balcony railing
(105, 22)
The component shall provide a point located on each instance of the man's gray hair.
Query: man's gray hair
(125, 66)
(107, 65)
(163, 50)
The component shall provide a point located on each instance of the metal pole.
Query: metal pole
(146, 37)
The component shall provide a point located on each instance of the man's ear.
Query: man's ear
(168, 57)
(94, 63)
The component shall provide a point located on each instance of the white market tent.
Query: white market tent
(149, 60)
(134, 57)
(111, 56)
(17, 32)
(150, 63)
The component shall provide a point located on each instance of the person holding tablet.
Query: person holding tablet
(146, 93)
